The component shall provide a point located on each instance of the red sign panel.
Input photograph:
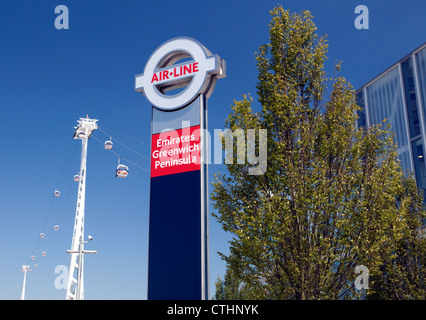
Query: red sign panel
(175, 151)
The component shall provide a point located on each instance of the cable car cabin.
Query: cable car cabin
(108, 145)
(56, 228)
(32, 257)
(42, 235)
(57, 193)
(76, 177)
(43, 253)
(122, 171)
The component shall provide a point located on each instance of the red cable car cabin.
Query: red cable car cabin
(122, 171)
(108, 145)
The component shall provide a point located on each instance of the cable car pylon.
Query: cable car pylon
(24, 282)
(75, 283)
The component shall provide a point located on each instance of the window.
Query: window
(361, 113)
(410, 97)
(419, 163)
(421, 73)
(384, 99)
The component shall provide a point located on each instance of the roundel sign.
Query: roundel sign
(177, 72)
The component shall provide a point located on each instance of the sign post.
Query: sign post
(178, 79)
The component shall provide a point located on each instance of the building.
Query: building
(399, 95)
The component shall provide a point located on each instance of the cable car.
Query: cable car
(56, 228)
(57, 193)
(76, 177)
(42, 235)
(108, 145)
(122, 171)
(43, 253)
(32, 257)
(36, 266)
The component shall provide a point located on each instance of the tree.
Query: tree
(403, 268)
(328, 199)
(232, 288)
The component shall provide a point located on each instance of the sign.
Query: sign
(177, 80)
(162, 74)
(175, 151)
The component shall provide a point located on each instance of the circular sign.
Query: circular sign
(179, 63)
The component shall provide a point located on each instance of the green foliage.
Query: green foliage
(403, 267)
(333, 196)
(232, 288)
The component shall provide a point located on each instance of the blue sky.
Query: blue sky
(49, 78)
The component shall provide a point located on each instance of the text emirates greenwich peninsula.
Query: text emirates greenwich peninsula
(175, 151)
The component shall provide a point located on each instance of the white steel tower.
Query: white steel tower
(75, 283)
(24, 283)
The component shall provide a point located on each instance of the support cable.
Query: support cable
(120, 156)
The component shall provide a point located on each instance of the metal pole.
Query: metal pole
(25, 269)
(78, 233)
(80, 270)
(83, 131)
(79, 295)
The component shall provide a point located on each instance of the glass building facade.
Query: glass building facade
(399, 95)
